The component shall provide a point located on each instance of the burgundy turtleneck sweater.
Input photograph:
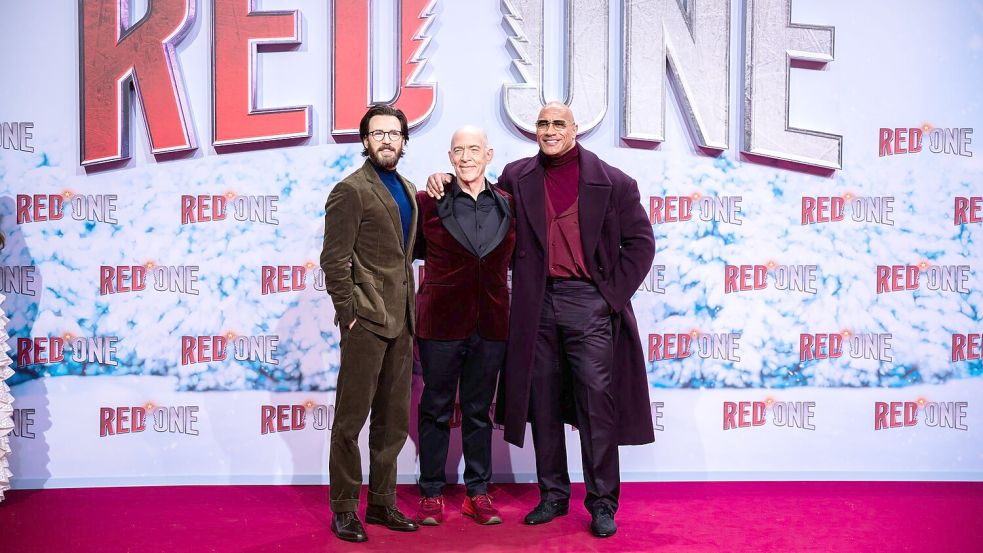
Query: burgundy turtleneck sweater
(564, 248)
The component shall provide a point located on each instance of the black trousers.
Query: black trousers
(475, 363)
(375, 377)
(574, 343)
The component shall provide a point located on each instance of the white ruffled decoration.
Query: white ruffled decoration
(6, 405)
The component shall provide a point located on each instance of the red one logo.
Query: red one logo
(203, 349)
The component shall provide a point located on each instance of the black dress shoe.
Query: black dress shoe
(390, 517)
(347, 527)
(602, 521)
(547, 511)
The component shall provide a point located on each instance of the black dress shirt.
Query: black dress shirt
(479, 218)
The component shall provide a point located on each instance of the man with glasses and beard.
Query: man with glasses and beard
(367, 258)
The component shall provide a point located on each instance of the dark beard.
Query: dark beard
(386, 164)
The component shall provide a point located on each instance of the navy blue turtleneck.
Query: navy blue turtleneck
(398, 192)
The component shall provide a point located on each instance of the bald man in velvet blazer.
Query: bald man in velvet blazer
(466, 239)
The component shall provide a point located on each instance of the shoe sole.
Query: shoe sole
(382, 523)
(489, 522)
(429, 521)
(600, 535)
(352, 540)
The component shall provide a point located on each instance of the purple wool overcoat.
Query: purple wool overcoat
(618, 247)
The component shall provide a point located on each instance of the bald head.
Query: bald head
(469, 133)
(556, 130)
(558, 107)
(470, 155)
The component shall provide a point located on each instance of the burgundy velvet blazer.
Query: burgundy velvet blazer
(461, 291)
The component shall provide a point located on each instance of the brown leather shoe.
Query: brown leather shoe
(347, 527)
(390, 517)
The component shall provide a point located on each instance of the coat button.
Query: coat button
(599, 268)
(522, 253)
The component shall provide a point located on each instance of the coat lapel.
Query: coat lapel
(531, 189)
(506, 223)
(594, 192)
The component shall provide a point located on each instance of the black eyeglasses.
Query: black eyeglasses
(544, 124)
(394, 136)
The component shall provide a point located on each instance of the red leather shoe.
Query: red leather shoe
(431, 510)
(480, 508)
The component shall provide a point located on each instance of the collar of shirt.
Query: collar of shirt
(381, 171)
(570, 156)
(457, 190)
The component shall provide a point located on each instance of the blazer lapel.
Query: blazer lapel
(411, 195)
(531, 190)
(445, 210)
(380, 190)
(503, 227)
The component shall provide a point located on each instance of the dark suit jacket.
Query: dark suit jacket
(367, 272)
(619, 246)
(462, 290)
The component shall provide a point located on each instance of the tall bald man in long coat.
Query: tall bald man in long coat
(583, 246)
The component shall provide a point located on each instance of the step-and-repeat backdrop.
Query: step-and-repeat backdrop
(812, 171)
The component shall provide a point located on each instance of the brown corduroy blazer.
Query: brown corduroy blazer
(367, 271)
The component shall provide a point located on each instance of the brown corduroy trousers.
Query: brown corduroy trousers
(375, 375)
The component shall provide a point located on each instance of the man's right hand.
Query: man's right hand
(436, 183)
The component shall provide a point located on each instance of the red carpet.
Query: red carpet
(731, 516)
